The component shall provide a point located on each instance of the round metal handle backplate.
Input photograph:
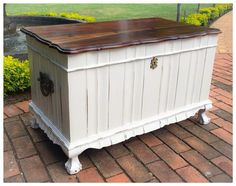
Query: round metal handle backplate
(46, 85)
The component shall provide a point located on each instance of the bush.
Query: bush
(206, 14)
(69, 15)
(212, 12)
(206, 11)
(16, 75)
(223, 8)
(73, 15)
(196, 19)
(51, 14)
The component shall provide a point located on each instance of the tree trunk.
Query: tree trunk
(178, 12)
(4, 10)
(198, 7)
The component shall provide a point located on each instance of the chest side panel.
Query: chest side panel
(53, 107)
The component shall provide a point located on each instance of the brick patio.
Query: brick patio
(181, 152)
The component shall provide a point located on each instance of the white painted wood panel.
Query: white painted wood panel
(78, 102)
(65, 111)
(102, 92)
(138, 85)
(184, 63)
(128, 86)
(116, 86)
(199, 70)
(192, 73)
(31, 57)
(56, 98)
(208, 69)
(165, 78)
(152, 83)
(174, 67)
(92, 84)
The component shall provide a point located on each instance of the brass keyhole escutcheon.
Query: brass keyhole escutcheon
(153, 63)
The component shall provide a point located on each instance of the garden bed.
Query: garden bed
(41, 20)
(15, 41)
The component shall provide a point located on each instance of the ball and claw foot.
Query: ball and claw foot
(34, 124)
(73, 165)
(202, 117)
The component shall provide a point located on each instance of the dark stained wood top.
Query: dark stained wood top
(77, 38)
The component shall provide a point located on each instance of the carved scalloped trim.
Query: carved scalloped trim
(104, 141)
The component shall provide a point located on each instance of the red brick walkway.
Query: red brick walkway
(181, 152)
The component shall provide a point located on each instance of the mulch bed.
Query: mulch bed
(17, 97)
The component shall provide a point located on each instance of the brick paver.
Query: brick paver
(173, 159)
(90, 175)
(118, 178)
(24, 106)
(104, 162)
(224, 163)
(163, 172)
(143, 153)
(190, 174)
(135, 169)
(182, 152)
(34, 170)
(10, 165)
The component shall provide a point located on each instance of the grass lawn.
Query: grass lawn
(107, 12)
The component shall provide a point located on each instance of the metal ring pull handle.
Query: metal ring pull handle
(46, 85)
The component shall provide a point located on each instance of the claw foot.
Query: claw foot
(73, 165)
(202, 117)
(34, 124)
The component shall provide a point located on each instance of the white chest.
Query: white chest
(101, 98)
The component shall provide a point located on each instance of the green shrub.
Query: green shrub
(70, 15)
(196, 19)
(73, 15)
(206, 14)
(191, 20)
(223, 8)
(16, 75)
(206, 11)
(214, 13)
(51, 14)
(229, 6)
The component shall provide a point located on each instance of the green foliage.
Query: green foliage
(51, 14)
(206, 11)
(16, 75)
(223, 8)
(73, 15)
(212, 12)
(206, 14)
(196, 19)
(69, 15)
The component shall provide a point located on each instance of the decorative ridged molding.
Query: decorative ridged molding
(119, 62)
(118, 135)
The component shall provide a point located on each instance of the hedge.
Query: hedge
(206, 15)
(16, 75)
(196, 19)
(70, 15)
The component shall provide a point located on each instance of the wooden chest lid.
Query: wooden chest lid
(83, 37)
